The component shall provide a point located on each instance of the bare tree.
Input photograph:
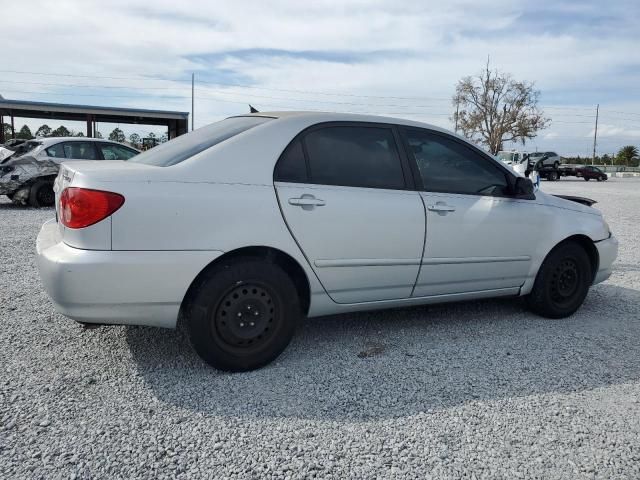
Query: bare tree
(492, 108)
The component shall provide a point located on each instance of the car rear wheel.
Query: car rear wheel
(586, 179)
(41, 194)
(562, 282)
(243, 314)
(556, 164)
(553, 176)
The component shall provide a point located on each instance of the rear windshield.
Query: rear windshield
(190, 144)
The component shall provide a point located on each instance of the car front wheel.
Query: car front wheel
(562, 282)
(243, 314)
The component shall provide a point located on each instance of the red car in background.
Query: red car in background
(590, 172)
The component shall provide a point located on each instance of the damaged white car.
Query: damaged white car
(28, 178)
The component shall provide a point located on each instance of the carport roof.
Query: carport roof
(60, 110)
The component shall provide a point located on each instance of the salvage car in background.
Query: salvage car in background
(27, 176)
(247, 224)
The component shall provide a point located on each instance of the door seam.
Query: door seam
(424, 246)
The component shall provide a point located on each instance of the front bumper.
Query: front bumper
(116, 287)
(607, 253)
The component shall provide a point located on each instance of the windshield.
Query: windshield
(505, 156)
(190, 144)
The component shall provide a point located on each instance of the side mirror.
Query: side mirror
(523, 188)
(520, 187)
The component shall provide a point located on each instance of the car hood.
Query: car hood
(576, 204)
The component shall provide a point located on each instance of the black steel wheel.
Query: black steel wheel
(242, 314)
(41, 194)
(562, 282)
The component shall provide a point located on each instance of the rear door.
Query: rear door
(478, 238)
(345, 193)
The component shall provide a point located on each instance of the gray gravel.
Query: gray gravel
(475, 390)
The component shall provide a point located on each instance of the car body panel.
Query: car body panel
(224, 199)
(364, 244)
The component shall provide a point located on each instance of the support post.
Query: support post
(193, 83)
(13, 128)
(595, 136)
(89, 127)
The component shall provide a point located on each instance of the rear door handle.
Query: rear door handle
(307, 202)
(442, 208)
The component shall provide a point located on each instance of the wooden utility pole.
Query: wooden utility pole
(595, 136)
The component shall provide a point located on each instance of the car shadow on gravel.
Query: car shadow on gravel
(396, 363)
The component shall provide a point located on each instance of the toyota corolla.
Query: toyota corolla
(242, 227)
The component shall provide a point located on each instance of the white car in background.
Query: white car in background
(248, 224)
(28, 175)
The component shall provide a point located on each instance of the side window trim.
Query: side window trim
(404, 129)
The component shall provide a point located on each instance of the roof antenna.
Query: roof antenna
(253, 110)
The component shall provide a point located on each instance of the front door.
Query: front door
(478, 238)
(344, 193)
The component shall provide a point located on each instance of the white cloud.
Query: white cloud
(423, 49)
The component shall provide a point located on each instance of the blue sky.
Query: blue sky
(387, 57)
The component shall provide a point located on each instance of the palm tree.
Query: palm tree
(626, 154)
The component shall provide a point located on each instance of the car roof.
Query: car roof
(319, 117)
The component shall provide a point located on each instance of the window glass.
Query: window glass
(185, 146)
(56, 151)
(111, 151)
(354, 156)
(446, 165)
(79, 150)
(291, 166)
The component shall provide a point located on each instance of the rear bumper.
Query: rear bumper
(116, 287)
(607, 253)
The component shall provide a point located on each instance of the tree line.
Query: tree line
(116, 135)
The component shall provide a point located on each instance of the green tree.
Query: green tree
(627, 155)
(79, 134)
(493, 108)
(134, 139)
(43, 131)
(7, 131)
(117, 135)
(164, 138)
(61, 131)
(25, 132)
(97, 134)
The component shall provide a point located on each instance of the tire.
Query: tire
(562, 282)
(218, 321)
(41, 194)
(553, 176)
(599, 179)
(586, 179)
(556, 164)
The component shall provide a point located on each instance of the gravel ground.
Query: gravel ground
(476, 390)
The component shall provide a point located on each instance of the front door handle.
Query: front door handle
(441, 208)
(307, 202)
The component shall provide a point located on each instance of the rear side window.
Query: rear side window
(79, 150)
(73, 151)
(292, 166)
(56, 151)
(354, 156)
(190, 144)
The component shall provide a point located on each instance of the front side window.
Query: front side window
(354, 156)
(111, 151)
(446, 165)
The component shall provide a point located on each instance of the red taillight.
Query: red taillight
(81, 207)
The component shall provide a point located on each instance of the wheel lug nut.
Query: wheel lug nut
(256, 314)
(242, 324)
(239, 314)
(252, 324)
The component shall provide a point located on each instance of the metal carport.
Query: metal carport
(176, 122)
